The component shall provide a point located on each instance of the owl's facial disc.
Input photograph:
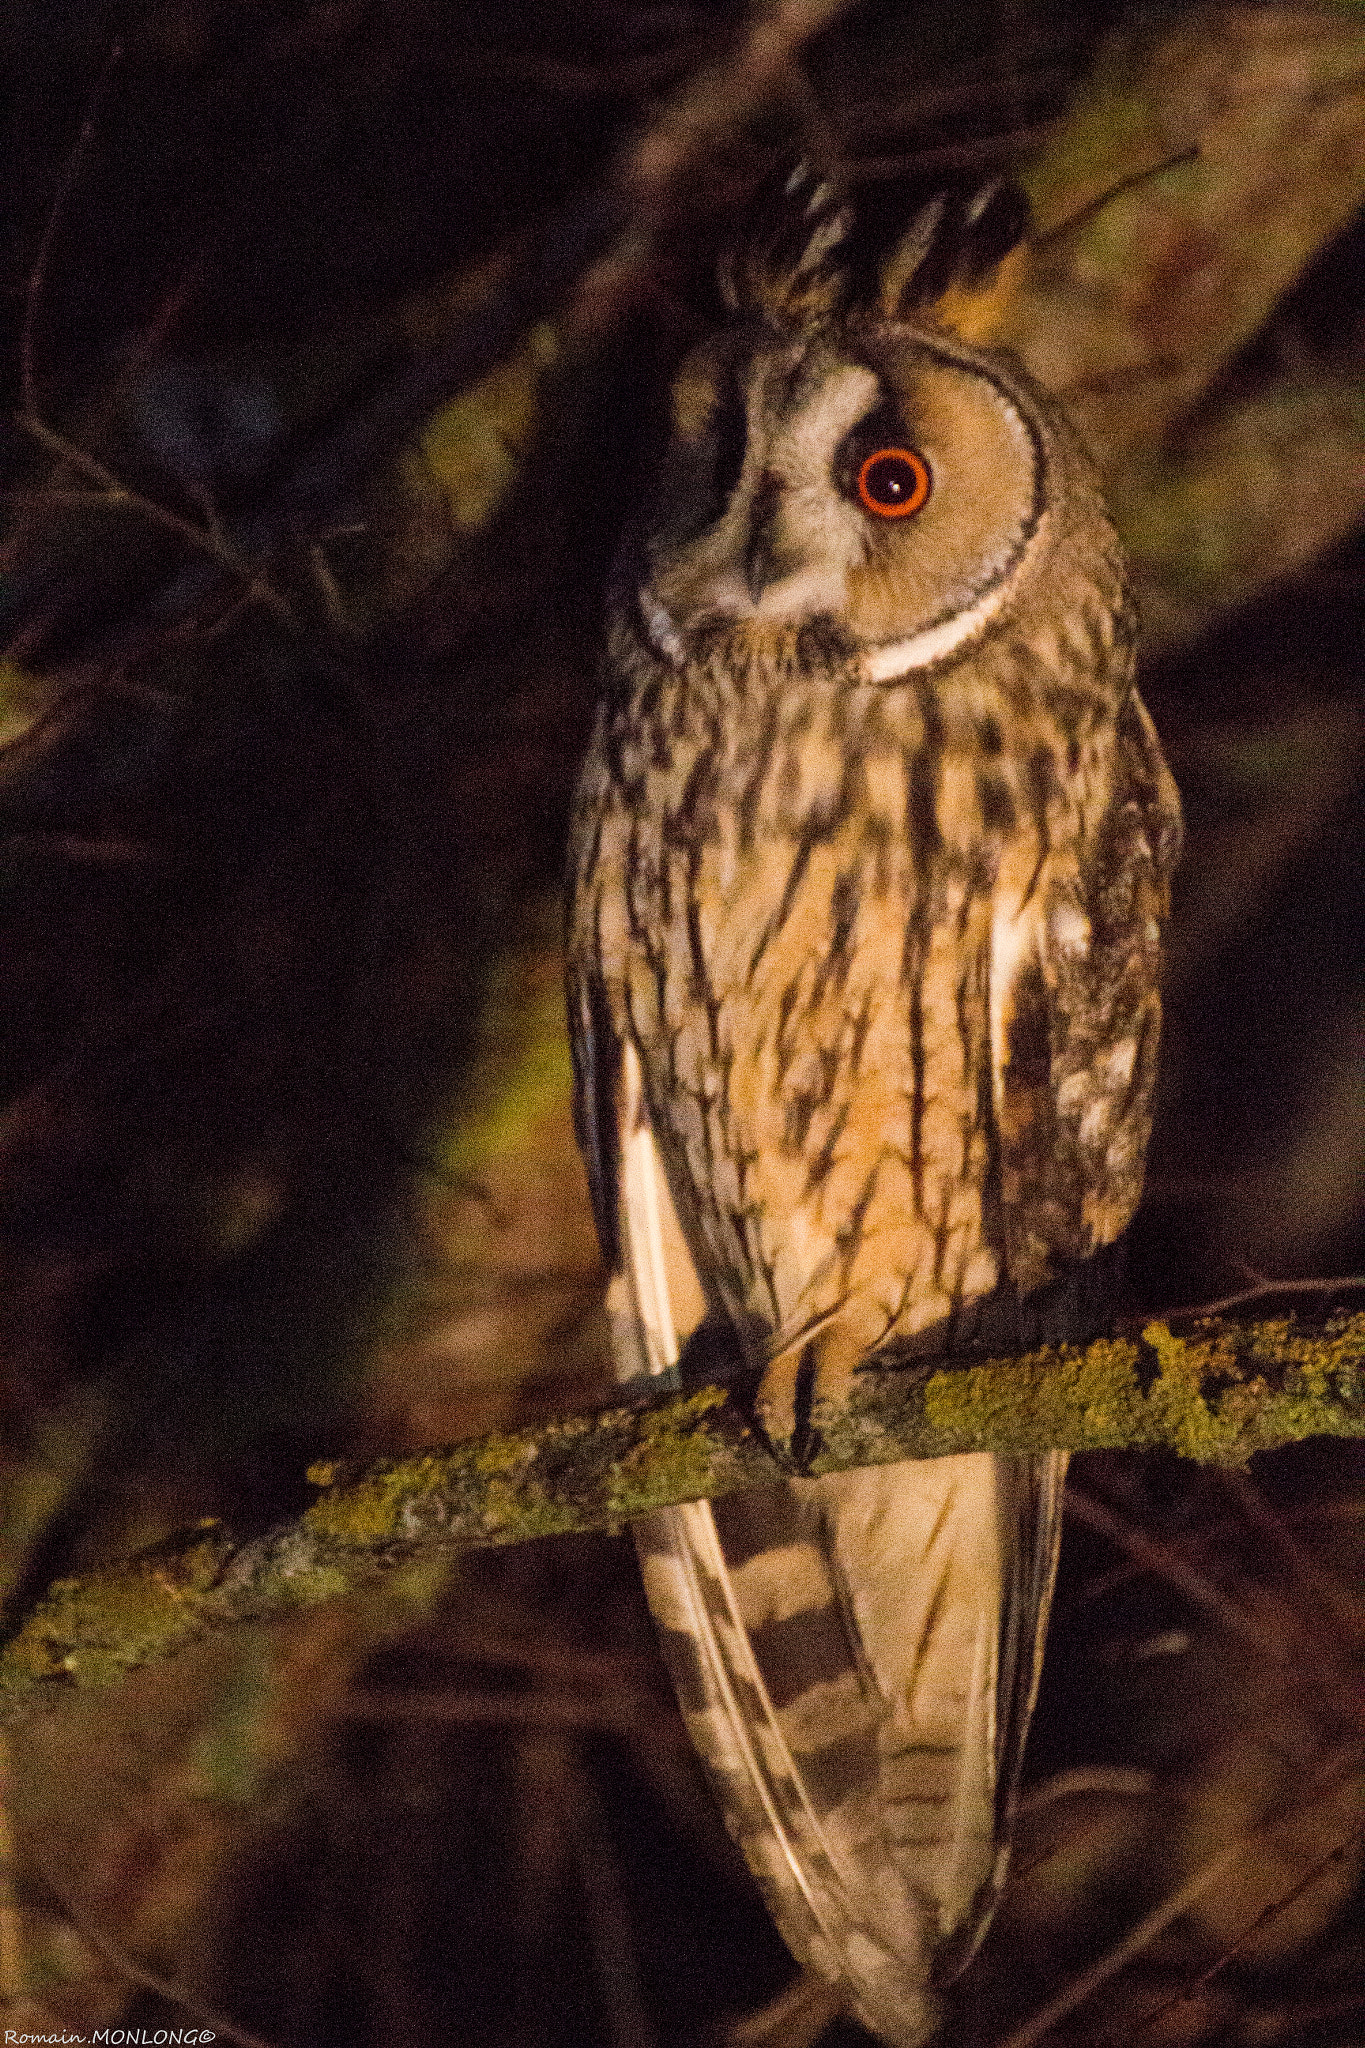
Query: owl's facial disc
(892, 495)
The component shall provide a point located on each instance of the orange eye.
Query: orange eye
(893, 483)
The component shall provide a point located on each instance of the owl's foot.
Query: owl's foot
(813, 1371)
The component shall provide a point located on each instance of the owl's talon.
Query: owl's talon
(785, 1401)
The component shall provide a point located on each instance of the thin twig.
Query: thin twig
(1341, 1765)
(720, 97)
(1105, 1781)
(1263, 1919)
(1265, 1290)
(1197, 1542)
(146, 348)
(1092, 208)
(590, 253)
(113, 492)
(37, 279)
(1114, 1781)
(1333, 1599)
(138, 1973)
(1166, 1562)
(796, 2018)
(1118, 1958)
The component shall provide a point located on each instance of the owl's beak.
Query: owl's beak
(754, 567)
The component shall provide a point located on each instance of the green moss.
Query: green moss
(1178, 1408)
(91, 1633)
(379, 1506)
(474, 444)
(499, 1454)
(1054, 1399)
(674, 1458)
(1218, 1393)
(513, 1486)
(1211, 1404)
(1213, 1399)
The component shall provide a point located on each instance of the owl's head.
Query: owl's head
(866, 470)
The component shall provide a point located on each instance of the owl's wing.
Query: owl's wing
(1077, 1011)
(855, 1655)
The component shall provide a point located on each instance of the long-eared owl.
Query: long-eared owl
(870, 864)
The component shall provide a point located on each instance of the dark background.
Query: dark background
(277, 877)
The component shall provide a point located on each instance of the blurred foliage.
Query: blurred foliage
(335, 341)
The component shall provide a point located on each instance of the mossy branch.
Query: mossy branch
(1217, 1394)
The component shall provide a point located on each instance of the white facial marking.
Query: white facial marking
(897, 658)
(828, 531)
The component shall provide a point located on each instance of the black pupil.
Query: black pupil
(891, 480)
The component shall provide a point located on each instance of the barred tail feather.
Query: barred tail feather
(760, 1783)
(856, 1657)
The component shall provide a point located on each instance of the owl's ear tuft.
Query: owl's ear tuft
(790, 267)
(954, 243)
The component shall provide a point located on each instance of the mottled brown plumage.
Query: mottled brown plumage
(870, 864)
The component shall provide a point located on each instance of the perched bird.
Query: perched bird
(870, 863)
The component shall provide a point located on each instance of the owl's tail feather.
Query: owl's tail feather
(856, 1657)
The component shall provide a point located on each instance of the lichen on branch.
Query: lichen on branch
(1217, 1393)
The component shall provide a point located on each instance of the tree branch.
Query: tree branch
(564, 257)
(1216, 1394)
